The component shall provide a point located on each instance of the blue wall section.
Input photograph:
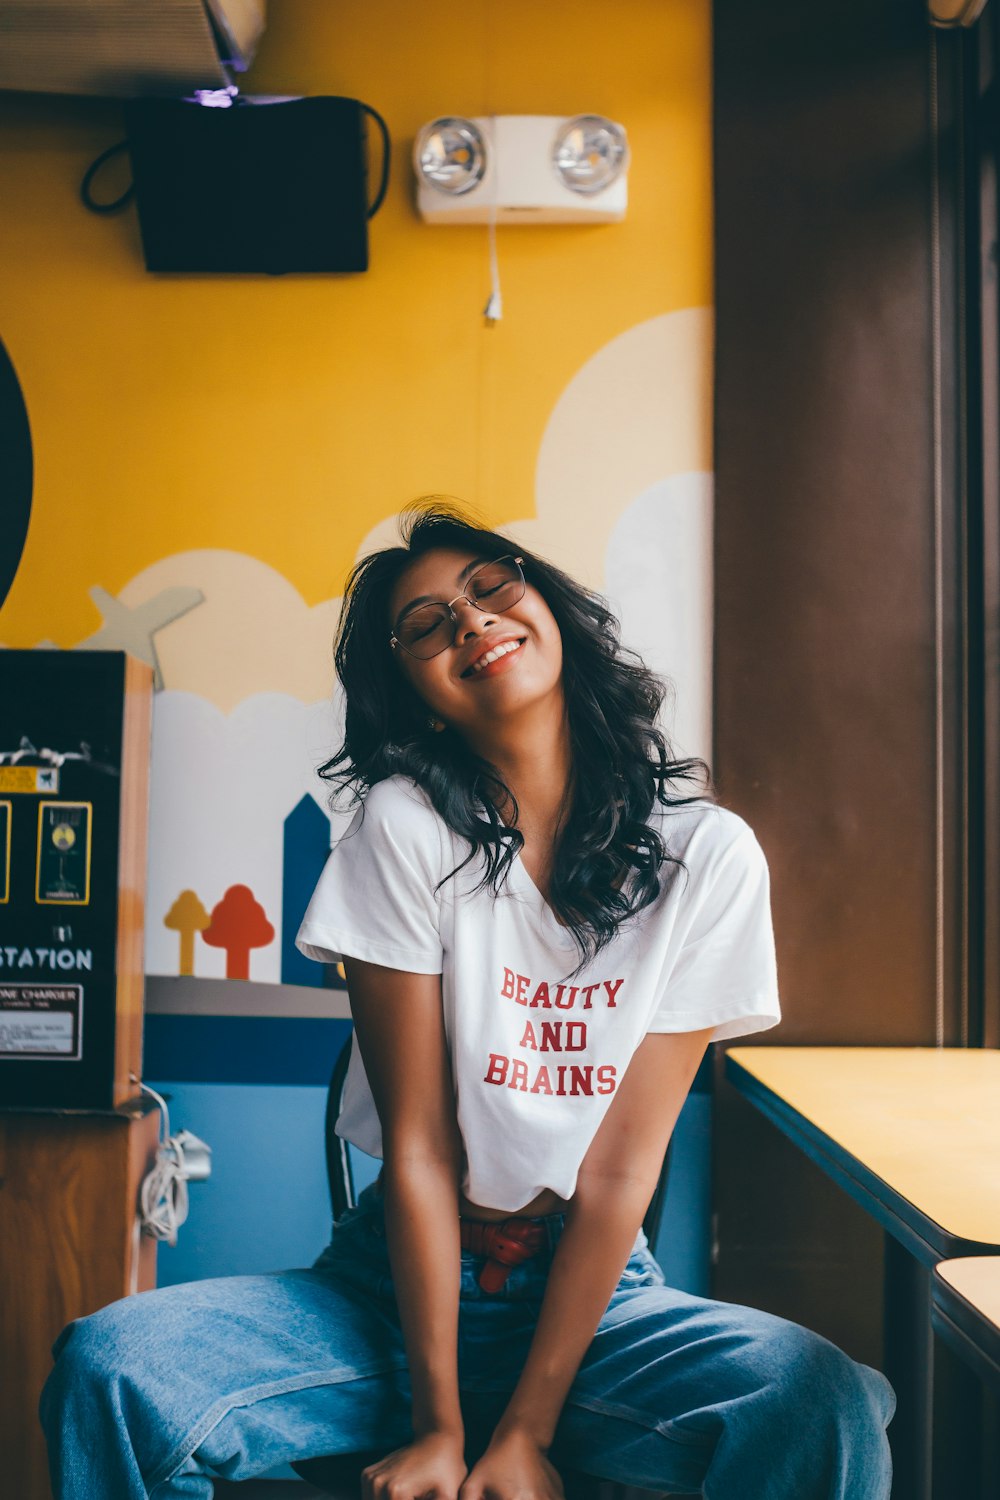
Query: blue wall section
(242, 1049)
(266, 1206)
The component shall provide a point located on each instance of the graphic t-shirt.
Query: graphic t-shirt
(537, 1056)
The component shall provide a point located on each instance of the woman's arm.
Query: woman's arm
(616, 1182)
(400, 1029)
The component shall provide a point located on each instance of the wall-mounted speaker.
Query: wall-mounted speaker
(269, 186)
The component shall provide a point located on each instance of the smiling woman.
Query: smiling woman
(541, 934)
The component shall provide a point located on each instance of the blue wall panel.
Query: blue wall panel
(266, 1206)
(242, 1049)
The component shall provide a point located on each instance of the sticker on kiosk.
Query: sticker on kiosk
(41, 1020)
(29, 779)
(63, 870)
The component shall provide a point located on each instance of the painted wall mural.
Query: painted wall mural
(212, 454)
(232, 445)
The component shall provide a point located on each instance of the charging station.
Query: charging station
(74, 792)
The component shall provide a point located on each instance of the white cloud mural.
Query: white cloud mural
(658, 570)
(623, 503)
(253, 632)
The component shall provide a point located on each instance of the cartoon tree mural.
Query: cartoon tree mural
(187, 916)
(239, 923)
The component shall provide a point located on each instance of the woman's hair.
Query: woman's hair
(607, 858)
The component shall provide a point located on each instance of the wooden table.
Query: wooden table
(913, 1135)
(966, 1312)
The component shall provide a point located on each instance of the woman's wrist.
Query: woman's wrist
(534, 1428)
(443, 1424)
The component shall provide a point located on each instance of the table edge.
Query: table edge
(921, 1234)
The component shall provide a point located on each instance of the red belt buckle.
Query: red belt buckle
(506, 1244)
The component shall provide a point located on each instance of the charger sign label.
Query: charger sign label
(63, 871)
(29, 779)
(41, 1020)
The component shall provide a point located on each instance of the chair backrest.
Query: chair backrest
(339, 1173)
(341, 1176)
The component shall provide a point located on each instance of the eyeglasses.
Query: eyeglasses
(431, 628)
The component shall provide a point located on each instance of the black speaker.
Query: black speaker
(258, 186)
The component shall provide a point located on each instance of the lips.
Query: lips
(507, 646)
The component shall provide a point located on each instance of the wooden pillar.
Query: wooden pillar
(828, 511)
(69, 1244)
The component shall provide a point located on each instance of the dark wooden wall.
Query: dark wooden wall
(825, 677)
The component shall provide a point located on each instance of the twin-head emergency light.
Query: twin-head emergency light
(521, 169)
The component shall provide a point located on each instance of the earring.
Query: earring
(436, 725)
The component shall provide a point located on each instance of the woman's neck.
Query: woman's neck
(533, 755)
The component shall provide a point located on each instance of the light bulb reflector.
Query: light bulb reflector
(449, 155)
(590, 153)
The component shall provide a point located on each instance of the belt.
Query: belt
(506, 1244)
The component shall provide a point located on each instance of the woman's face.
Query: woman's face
(456, 692)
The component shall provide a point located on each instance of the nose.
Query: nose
(470, 620)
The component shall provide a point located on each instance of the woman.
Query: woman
(540, 937)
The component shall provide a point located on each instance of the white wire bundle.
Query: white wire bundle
(163, 1197)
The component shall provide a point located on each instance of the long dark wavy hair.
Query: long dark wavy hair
(608, 859)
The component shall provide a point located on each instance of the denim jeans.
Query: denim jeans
(156, 1394)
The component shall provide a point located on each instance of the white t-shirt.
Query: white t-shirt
(536, 1058)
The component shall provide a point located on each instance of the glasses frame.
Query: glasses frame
(518, 562)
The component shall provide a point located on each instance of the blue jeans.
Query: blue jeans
(155, 1394)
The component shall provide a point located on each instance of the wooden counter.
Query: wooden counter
(69, 1244)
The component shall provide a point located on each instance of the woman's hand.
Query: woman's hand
(431, 1468)
(513, 1468)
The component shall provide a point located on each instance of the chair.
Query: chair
(339, 1475)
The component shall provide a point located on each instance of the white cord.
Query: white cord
(493, 311)
(163, 1196)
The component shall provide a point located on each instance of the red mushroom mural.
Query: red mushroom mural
(239, 924)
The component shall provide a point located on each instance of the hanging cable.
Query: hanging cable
(493, 311)
(180, 1159)
(86, 195)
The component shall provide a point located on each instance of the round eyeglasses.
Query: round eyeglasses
(429, 629)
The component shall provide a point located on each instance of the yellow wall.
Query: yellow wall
(244, 436)
(287, 417)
